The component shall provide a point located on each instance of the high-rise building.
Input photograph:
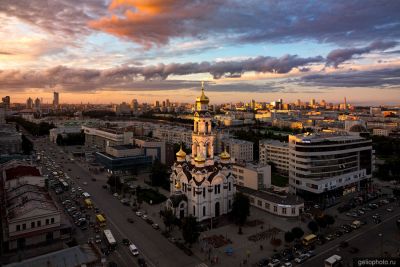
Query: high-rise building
(56, 100)
(201, 185)
(37, 104)
(29, 103)
(134, 105)
(312, 103)
(6, 103)
(168, 103)
(327, 165)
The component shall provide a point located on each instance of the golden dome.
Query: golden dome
(225, 155)
(200, 159)
(178, 185)
(203, 98)
(181, 153)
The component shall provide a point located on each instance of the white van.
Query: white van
(86, 194)
(133, 249)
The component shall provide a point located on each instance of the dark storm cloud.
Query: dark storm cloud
(72, 79)
(156, 22)
(339, 56)
(388, 78)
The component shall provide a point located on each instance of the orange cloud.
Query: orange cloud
(152, 22)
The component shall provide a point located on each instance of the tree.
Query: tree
(313, 226)
(240, 209)
(297, 232)
(289, 237)
(329, 219)
(321, 221)
(26, 145)
(159, 175)
(168, 219)
(190, 230)
(59, 140)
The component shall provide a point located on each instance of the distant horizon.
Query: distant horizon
(117, 50)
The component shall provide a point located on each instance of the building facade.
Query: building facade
(252, 176)
(102, 137)
(276, 152)
(329, 164)
(240, 150)
(201, 185)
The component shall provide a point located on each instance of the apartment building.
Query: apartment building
(173, 134)
(101, 137)
(276, 152)
(252, 176)
(240, 150)
(329, 164)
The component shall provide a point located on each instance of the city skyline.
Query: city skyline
(116, 51)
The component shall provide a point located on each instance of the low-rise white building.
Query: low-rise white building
(103, 137)
(31, 217)
(17, 173)
(173, 134)
(252, 176)
(284, 205)
(381, 132)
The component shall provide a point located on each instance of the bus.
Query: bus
(63, 184)
(333, 261)
(110, 240)
(101, 221)
(309, 239)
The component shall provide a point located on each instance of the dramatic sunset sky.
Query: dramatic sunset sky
(112, 51)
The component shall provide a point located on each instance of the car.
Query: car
(155, 226)
(360, 212)
(90, 240)
(274, 263)
(263, 262)
(354, 250)
(130, 220)
(125, 201)
(289, 257)
(389, 209)
(149, 220)
(115, 195)
(145, 217)
(338, 233)
(98, 239)
(84, 183)
(139, 213)
(84, 227)
(310, 253)
(133, 249)
(287, 264)
(302, 258)
(126, 242)
(142, 262)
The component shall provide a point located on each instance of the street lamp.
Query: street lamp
(380, 237)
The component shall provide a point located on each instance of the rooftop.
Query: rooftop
(69, 257)
(124, 147)
(282, 200)
(323, 136)
(20, 171)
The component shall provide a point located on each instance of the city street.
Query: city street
(154, 247)
(372, 240)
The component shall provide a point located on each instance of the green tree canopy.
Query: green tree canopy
(313, 226)
(190, 229)
(289, 237)
(240, 208)
(297, 232)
